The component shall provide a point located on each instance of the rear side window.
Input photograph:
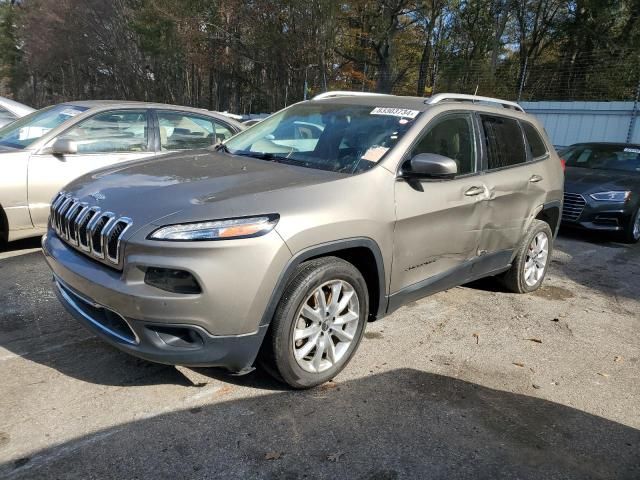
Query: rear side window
(503, 141)
(537, 148)
(185, 131)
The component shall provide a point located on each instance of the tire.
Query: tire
(317, 362)
(520, 278)
(631, 233)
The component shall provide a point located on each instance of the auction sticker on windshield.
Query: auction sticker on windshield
(395, 112)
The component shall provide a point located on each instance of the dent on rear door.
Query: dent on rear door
(512, 199)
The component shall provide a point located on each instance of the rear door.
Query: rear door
(514, 186)
(438, 221)
(103, 139)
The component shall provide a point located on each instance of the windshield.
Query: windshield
(23, 132)
(339, 138)
(604, 157)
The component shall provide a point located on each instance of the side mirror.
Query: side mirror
(63, 146)
(430, 165)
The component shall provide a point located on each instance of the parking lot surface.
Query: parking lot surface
(469, 383)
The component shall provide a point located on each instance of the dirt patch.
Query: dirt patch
(551, 292)
(373, 335)
(4, 439)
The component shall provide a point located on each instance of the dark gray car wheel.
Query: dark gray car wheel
(632, 231)
(532, 259)
(318, 323)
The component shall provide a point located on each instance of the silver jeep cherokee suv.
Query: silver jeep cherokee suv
(281, 244)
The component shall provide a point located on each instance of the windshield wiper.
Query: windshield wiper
(260, 155)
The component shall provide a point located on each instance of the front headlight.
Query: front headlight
(231, 228)
(612, 196)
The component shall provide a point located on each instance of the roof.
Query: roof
(15, 107)
(99, 104)
(421, 103)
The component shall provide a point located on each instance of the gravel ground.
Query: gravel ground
(469, 383)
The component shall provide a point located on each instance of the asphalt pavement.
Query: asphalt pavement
(469, 383)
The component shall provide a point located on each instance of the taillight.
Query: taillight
(563, 162)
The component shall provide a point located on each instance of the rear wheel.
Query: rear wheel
(632, 232)
(318, 323)
(529, 267)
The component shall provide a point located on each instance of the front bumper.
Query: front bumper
(581, 211)
(172, 344)
(163, 327)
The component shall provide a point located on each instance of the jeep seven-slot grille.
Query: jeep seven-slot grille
(574, 203)
(88, 229)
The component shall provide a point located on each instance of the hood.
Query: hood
(590, 180)
(192, 186)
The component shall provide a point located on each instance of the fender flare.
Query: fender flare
(324, 249)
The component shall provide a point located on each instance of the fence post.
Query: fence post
(634, 112)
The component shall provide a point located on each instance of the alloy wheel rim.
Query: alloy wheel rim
(326, 325)
(536, 260)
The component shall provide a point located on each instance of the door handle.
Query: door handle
(472, 191)
(535, 178)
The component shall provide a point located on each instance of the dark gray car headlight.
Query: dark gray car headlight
(227, 229)
(616, 196)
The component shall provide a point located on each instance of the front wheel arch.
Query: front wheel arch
(363, 252)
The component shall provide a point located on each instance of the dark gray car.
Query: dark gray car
(602, 188)
(285, 241)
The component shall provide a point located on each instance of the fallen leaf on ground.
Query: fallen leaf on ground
(617, 359)
(477, 337)
(272, 455)
(555, 320)
(535, 385)
(518, 364)
(603, 374)
(537, 340)
(329, 385)
(334, 457)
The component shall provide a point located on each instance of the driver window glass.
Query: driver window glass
(452, 137)
(182, 131)
(118, 131)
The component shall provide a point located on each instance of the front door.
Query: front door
(104, 139)
(438, 222)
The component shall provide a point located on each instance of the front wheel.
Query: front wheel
(530, 264)
(632, 232)
(318, 323)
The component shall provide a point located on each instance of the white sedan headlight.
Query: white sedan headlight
(244, 227)
(611, 196)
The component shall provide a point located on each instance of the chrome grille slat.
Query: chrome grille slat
(89, 229)
(573, 206)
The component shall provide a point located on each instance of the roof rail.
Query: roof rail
(441, 97)
(344, 93)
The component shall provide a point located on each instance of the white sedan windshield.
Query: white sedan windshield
(23, 132)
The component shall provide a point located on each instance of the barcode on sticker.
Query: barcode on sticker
(395, 112)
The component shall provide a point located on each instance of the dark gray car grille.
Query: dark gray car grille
(574, 203)
(89, 229)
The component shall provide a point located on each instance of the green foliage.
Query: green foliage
(255, 55)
